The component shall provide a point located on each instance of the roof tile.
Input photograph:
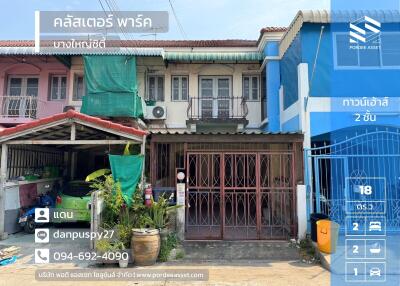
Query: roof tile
(72, 114)
(273, 29)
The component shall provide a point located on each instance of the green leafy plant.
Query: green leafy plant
(124, 232)
(139, 213)
(97, 174)
(166, 247)
(116, 212)
(113, 199)
(104, 246)
(159, 213)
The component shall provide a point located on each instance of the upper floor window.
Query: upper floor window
(23, 86)
(155, 90)
(58, 87)
(384, 52)
(179, 88)
(79, 87)
(251, 87)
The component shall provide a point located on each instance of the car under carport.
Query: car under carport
(75, 142)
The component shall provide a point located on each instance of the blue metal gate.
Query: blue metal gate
(331, 167)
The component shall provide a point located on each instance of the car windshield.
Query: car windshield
(77, 188)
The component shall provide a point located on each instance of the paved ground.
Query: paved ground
(243, 272)
(247, 273)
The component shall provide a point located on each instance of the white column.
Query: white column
(3, 179)
(304, 93)
(301, 211)
(180, 214)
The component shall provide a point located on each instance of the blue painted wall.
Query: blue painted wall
(331, 82)
(288, 66)
(292, 125)
(272, 86)
(324, 122)
(336, 82)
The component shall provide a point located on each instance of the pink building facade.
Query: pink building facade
(31, 87)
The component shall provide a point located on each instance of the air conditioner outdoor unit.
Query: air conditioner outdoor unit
(157, 112)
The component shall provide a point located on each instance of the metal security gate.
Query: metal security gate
(240, 195)
(332, 168)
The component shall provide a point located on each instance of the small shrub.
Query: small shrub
(166, 246)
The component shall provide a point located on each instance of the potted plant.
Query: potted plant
(152, 230)
(145, 241)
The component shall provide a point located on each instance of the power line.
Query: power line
(180, 27)
(115, 12)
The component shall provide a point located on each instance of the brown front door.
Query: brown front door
(239, 195)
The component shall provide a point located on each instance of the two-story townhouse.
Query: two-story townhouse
(342, 93)
(240, 180)
(206, 105)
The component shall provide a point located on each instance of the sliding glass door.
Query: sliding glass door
(215, 96)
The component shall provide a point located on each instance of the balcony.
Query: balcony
(221, 111)
(18, 109)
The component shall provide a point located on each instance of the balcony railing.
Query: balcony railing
(18, 106)
(217, 108)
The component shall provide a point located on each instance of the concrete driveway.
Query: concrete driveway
(226, 272)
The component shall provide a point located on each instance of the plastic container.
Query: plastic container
(313, 220)
(167, 192)
(327, 235)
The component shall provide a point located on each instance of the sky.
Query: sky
(200, 19)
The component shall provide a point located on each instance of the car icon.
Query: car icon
(374, 271)
(375, 226)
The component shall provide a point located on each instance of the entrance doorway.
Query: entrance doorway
(240, 195)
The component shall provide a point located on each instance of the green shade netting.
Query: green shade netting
(127, 170)
(111, 87)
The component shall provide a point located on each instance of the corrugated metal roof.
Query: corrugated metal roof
(213, 56)
(64, 52)
(231, 43)
(325, 16)
(245, 132)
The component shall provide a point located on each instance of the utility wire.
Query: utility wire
(182, 31)
(115, 12)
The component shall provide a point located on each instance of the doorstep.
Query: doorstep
(223, 250)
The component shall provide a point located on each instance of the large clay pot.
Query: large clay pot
(145, 246)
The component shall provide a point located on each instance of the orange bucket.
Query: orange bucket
(327, 235)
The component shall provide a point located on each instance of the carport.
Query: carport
(59, 139)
